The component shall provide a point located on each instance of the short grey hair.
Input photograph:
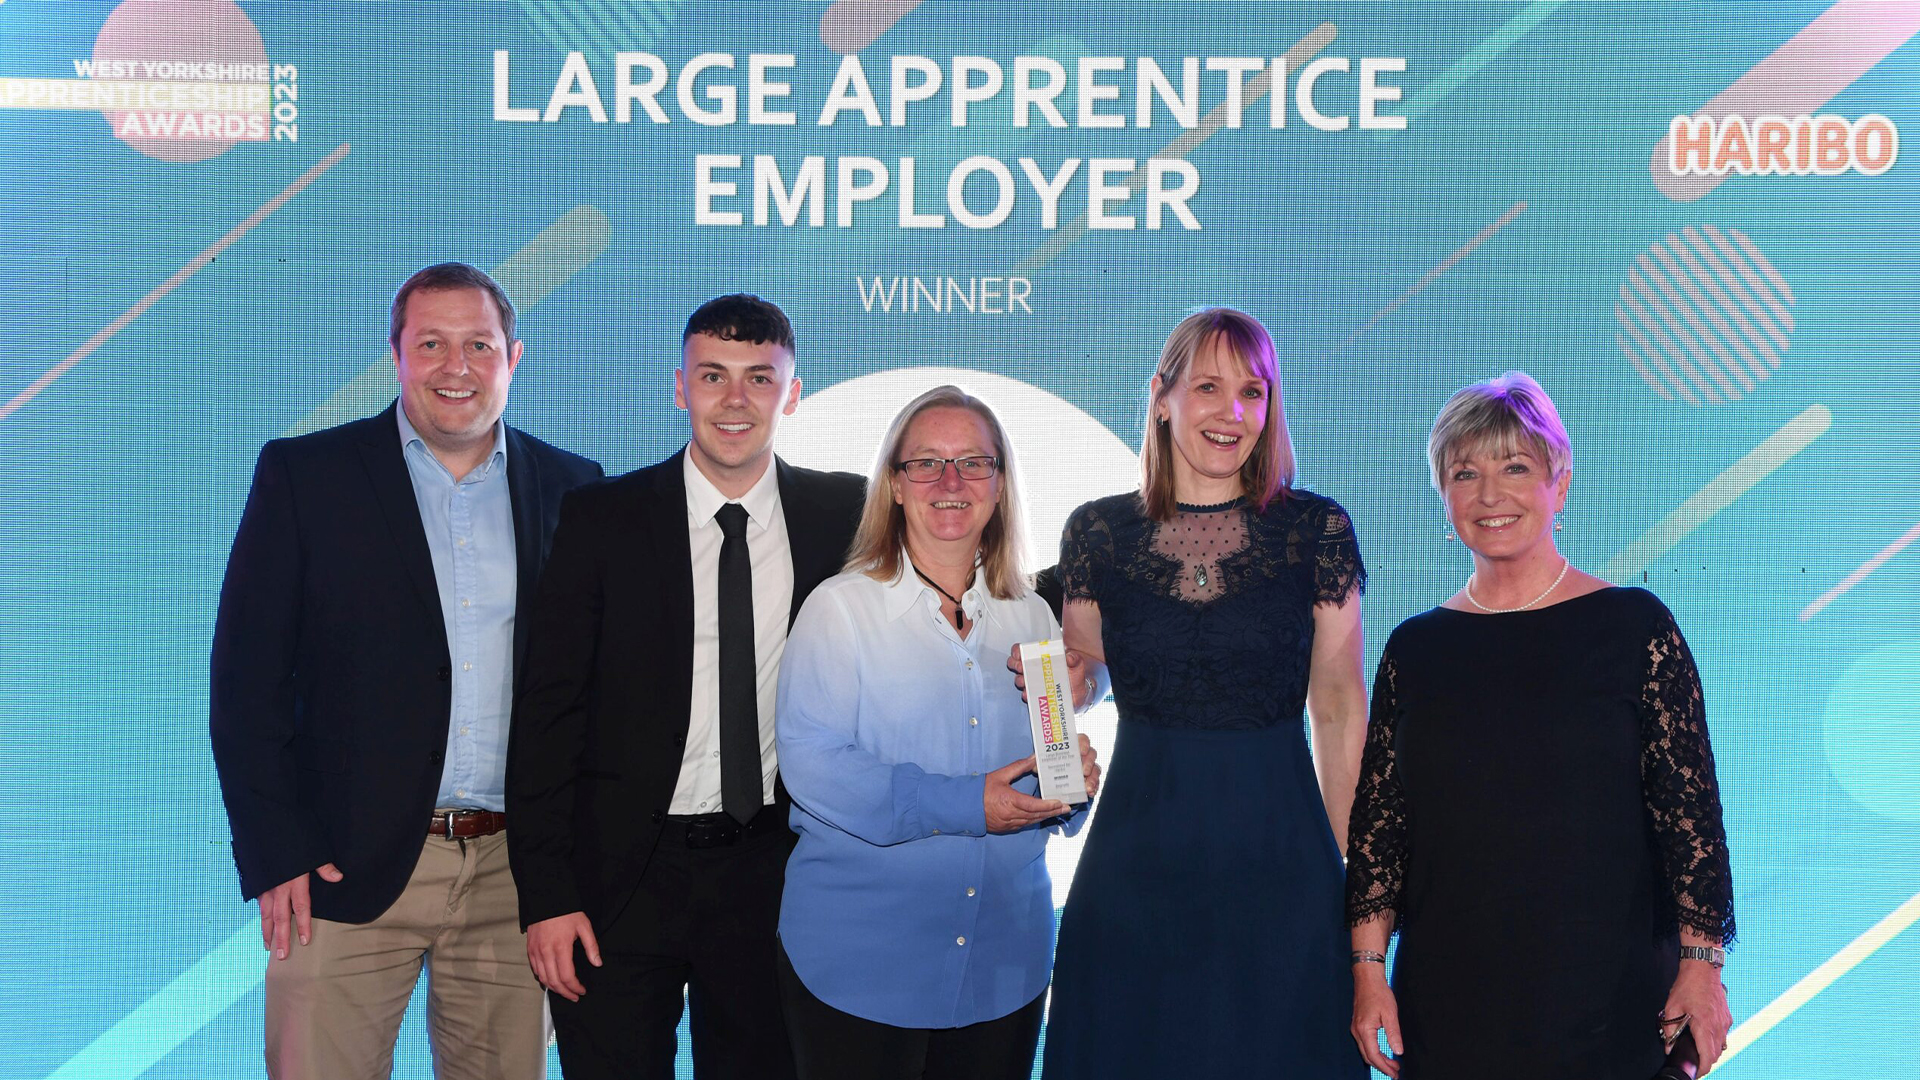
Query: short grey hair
(1500, 415)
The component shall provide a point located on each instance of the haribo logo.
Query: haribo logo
(1781, 145)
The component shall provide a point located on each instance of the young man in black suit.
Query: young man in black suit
(364, 659)
(650, 827)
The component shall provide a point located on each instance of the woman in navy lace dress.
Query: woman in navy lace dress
(1537, 807)
(1203, 936)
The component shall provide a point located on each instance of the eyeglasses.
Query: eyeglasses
(929, 469)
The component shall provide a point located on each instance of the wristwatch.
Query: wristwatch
(1712, 954)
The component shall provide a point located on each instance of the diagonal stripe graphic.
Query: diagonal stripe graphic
(1694, 333)
(1848, 958)
(529, 275)
(174, 1013)
(1687, 349)
(1256, 88)
(1807, 71)
(1696, 296)
(1629, 304)
(180, 276)
(1732, 281)
(1639, 331)
(1723, 306)
(1432, 275)
(1719, 493)
(1476, 58)
(1860, 573)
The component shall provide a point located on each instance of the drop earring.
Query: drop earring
(1559, 520)
(1446, 531)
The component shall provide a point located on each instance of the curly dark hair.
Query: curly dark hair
(741, 317)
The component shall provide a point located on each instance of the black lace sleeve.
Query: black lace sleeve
(1337, 570)
(1681, 792)
(1377, 829)
(1086, 551)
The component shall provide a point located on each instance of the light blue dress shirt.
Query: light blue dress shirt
(899, 907)
(469, 523)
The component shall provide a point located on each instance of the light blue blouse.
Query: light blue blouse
(899, 907)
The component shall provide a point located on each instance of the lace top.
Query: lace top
(1207, 619)
(1576, 729)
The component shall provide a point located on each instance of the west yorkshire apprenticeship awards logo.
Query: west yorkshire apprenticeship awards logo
(177, 81)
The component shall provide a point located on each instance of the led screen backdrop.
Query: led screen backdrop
(207, 207)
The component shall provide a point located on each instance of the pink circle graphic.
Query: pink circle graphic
(1703, 316)
(161, 36)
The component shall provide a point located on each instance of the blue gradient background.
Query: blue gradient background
(120, 484)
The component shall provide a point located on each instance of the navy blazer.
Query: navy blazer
(600, 726)
(331, 685)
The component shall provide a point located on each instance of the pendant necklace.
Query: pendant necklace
(959, 615)
(1475, 601)
(1200, 576)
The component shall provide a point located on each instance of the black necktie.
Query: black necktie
(739, 686)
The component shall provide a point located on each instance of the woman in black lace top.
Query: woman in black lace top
(1537, 809)
(1203, 936)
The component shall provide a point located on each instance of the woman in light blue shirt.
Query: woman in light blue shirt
(917, 922)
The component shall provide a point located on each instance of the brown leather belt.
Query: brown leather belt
(465, 824)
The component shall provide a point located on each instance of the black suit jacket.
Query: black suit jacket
(600, 727)
(331, 676)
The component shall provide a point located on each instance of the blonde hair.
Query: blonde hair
(882, 534)
(1500, 416)
(1268, 471)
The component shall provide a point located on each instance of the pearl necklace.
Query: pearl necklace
(1471, 599)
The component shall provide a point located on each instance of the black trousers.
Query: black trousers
(700, 925)
(831, 1045)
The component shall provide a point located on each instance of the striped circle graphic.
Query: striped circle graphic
(1703, 316)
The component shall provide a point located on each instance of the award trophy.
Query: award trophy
(1056, 748)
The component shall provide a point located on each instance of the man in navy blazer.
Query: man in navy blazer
(364, 662)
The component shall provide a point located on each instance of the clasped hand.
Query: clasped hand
(1010, 810)
(1078, 684)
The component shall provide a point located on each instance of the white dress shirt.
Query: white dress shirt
(698, 791)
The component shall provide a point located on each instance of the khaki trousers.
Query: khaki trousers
(334, 1005)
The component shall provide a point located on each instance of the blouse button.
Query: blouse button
(959, 941)
(973, 721)
(969, 890)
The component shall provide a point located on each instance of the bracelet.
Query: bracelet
(1712, 954)
(1368, 956)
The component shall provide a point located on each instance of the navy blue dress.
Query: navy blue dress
(1204, 935)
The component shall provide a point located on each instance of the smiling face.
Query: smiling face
(735, 393)
(951, 511)
(1502, 505)
(1214, 415)
(455, 364)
